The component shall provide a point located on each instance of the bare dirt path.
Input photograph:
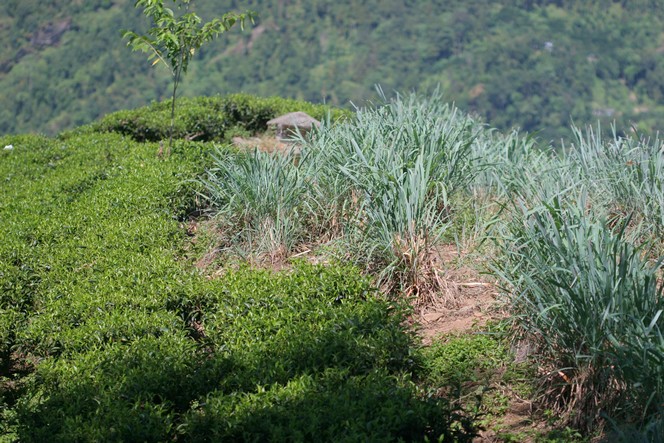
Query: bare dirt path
(470, 301)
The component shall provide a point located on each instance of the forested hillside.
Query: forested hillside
(538, 65)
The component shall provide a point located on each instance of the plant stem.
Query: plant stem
(176, 81)
(175, 88)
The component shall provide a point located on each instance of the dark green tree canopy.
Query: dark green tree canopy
(538, 65)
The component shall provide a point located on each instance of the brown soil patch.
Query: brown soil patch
(469, 302)
(471, 314)
(265, 143)
(516, 425)
(470, 299)
(476, 91)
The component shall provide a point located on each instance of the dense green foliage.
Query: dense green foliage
(109, 333)
(576, 235)
(536, 64)
(206, 118)
(63, 79)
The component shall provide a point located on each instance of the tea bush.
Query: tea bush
(462, 359)
(108, 333)
(206, 118)
(330, 406)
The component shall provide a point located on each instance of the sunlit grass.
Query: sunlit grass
(576, 233)
(591, 302)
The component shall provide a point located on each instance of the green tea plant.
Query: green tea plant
(203, 118)
(173, 40)
(461, 359)
(300, 345)
(86, 223)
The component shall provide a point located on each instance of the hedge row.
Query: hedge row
(207, 118)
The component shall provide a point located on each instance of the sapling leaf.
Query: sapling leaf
(176, 39)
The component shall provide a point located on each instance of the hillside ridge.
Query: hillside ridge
(537, 65)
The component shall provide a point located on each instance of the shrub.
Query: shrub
(198, 118)
(330, 406)
(306, 354)
(593, 304)
(206, 118)
(457, 360)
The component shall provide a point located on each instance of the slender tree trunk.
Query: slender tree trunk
(176, 81)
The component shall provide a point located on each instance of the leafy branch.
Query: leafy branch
(174, 40)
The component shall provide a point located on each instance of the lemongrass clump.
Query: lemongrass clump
(262, 198)
(401, 162)
(592, 303)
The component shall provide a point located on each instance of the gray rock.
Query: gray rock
(287, 125)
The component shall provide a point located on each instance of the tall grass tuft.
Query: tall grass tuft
(261, 199)
(397, 165)
(592, 303)
(626, 175)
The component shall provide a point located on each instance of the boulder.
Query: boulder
(287, 125)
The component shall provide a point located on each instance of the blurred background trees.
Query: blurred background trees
(537, 65)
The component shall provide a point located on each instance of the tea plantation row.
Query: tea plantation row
(109, 333)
